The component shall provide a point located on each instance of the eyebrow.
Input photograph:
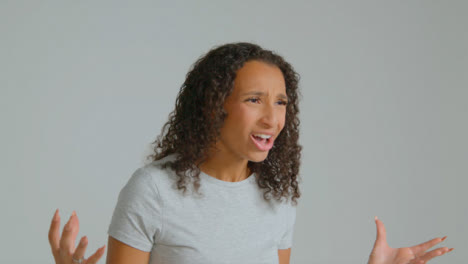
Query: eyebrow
(258, 93)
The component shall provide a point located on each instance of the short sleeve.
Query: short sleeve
(137, 217)
(287, 239)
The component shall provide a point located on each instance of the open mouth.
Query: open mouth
(263, 144)
(260, 140)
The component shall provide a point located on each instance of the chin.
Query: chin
(258, 157)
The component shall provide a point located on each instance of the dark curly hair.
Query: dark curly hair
(194, 126)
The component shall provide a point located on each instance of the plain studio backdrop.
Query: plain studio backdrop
(86, 86)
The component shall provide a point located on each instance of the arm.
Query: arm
(120, 253)
(284, 255)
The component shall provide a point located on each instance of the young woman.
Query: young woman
(222, 185)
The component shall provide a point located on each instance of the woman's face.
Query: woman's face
(256, 109)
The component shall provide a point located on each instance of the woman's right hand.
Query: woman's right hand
(63, 248)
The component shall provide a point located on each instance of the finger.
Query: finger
(70, 230)
(434, 253)
(54, 233)
(381, 232)
(96, 256)
(423, 247)
(75, 229)
(81, 249)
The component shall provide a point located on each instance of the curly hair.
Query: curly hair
(194, 126)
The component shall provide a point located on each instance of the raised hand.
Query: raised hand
(63, 248)
(383, 254)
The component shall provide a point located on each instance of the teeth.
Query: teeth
(262, 135)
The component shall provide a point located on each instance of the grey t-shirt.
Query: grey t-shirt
(229, 223)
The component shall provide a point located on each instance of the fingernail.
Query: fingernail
(74, 213)
(444, 238)
(451, 249)
(56, 215)
(375, 218)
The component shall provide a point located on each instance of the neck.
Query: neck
(226, 168)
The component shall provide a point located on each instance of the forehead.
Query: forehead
(257, 75)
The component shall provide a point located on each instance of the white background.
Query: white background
(87, 85)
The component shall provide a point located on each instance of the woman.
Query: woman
(214, 191)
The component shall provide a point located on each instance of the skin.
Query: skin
(382, 253)
(63, 247)
(247, 113)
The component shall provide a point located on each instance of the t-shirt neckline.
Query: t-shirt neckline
(219, 182)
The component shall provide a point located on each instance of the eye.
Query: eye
(282, 102)
(253, 100)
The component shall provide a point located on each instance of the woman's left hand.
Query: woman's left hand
(383, 254)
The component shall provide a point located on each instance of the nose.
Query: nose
(270, 116)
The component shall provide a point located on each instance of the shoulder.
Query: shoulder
(146, 182)
(152, 171)
(151, 178)
(155, 172)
